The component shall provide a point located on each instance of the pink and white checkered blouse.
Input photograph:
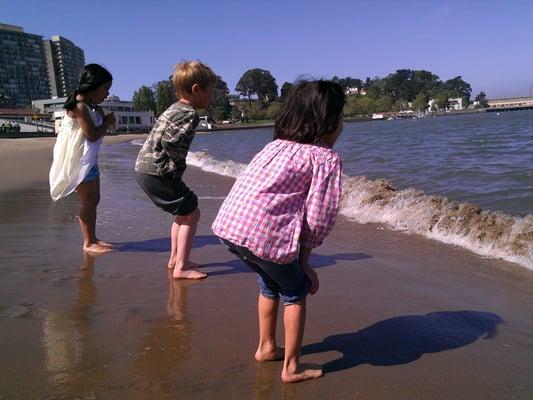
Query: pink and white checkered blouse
(288, 195)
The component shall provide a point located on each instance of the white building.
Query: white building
(455, 104)
(354, 90)
(128, 120)
(511, 103)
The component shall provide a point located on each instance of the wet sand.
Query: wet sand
(397, 316)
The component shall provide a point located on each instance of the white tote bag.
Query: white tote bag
(74, 156)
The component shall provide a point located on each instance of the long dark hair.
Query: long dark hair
(312, 109)
(91, 77)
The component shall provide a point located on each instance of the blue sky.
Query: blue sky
(489, 43)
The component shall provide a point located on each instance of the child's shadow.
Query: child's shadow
(236, 266)
(401, 340)
(162, 245)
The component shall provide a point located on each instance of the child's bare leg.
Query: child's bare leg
(294, 321)
(174, 248)
(88, 192)
(173, 244)
(267, 350)
(187, 229)
(100, 242)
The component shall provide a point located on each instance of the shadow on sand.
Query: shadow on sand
(401, 340)
(236, 266)
(162, 245)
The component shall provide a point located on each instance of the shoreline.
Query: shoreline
(236, 127)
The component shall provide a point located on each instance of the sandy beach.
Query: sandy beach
(397, 316)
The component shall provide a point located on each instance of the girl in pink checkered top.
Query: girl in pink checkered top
(281, 207)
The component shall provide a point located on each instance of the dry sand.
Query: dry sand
(397, 316)
(26, 161)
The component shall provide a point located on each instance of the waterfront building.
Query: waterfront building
(128, 119)
(23, 71)
(455, 104)
(513, 103)
(64, 60)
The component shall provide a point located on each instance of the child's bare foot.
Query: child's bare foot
(190, 264)
(301, 374)
(188, 274)
(273, 354)
(102, 243)
(96, 248)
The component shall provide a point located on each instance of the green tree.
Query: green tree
(258, 82)
(348, 82)
(254, 111)
(383, 104)
(367, 83)
(457, 87)
(421, 102)
(165, 95)
(400, 85)
(482, 99)
(144, 99)
(426, 82)
(359, 106)
(375, 89)
(442, 100)
(273, 110)
(219, 107)
(285, 89)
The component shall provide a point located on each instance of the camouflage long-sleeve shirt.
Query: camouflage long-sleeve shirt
(167, 145)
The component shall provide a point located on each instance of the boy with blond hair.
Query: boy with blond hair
(161, 162)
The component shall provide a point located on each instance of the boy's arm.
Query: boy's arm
(322, 203)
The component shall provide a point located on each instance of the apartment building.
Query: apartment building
(23, 70)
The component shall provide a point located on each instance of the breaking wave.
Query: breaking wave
(207, 163)
(488, 233)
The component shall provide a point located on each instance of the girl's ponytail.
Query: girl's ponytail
(71, 101)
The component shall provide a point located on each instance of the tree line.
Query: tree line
(257, 95)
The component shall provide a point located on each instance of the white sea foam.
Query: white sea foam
(137, 142)
(207, 163)
(489, 233)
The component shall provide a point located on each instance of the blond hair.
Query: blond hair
(188, 73)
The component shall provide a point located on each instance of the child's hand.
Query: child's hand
(313, 277)
(110, 119)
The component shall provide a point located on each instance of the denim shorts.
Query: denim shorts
(287, 280)
(94, 173)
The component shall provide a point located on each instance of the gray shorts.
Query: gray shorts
(168, 192)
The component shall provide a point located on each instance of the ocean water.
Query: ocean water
(465, 180)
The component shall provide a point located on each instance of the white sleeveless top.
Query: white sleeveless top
(74, 156)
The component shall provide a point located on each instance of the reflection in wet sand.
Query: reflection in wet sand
(167, 342)
(266, 377)
(268, 384)
(73, 362)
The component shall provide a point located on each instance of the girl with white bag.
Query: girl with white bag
(75, 165)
